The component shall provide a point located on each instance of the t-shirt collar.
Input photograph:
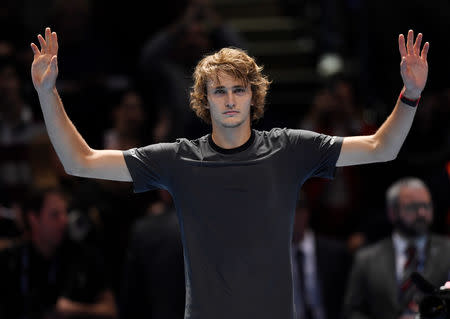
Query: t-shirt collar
(235, 150)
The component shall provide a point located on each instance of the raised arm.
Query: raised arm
(74, 153)
(386, 143)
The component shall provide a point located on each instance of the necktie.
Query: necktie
(307, 311)
(407, 288)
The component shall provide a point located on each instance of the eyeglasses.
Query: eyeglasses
(414, 207)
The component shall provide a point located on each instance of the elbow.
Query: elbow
(384, 153)
(73, 170)
(389, 157)
(76, 166)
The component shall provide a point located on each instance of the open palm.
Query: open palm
(414, 65)
(44, 69)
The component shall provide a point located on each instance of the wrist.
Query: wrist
(406, 99)
(410, 95)
(47, 91)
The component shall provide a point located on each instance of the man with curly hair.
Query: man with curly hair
(235, 190)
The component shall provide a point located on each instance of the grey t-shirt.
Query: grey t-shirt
(236, 211)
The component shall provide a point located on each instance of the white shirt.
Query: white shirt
(314, 296)
(400, 246)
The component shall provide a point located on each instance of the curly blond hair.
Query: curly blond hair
(236, 63)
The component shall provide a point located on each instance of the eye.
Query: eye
(239, 90)
(219, 91)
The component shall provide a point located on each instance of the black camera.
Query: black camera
(435, 303)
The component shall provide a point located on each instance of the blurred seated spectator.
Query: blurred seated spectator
(337, 110)
(169, 56)
(320, 266)
(86, 55)
(430, 158)
(379, 283)
(11, 226)
(18, 126)
(48, 275)
(129, 122)
(154, 285)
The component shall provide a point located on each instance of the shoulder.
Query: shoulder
(191, 144)
(166, 150)
(440, 241)
(274, 135)
(301, 136)
(372, 251)
(279, 132)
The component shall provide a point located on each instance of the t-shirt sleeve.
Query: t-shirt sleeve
(150, 166)
(317, 152)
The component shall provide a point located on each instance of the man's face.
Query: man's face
(415, 211)
(51, 224)
(129, 115)
(229, 102)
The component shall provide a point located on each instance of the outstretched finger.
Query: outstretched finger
(54, 39)
(48, 39)
(409, 43)
(425, 49)
(35, 49)
(42, 43)
(418, 44)
(401, 45)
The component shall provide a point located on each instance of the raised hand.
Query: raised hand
(44, 69)
(414, 65)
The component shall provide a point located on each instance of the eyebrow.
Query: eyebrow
(223, 87)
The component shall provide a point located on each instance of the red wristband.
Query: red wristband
(409, 102)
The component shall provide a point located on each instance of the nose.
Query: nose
(230, 102)
(422, 211)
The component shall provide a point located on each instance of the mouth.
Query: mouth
(230, 112)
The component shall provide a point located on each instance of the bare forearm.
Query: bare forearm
(99, 309)
(104, 307)
(67, 141)
(392, 133)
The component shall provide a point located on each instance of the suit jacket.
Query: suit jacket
(372, 286)
(333, 265)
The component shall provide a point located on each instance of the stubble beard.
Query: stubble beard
(233, 124)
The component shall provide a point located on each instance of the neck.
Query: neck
(231, 137)
(43, 248)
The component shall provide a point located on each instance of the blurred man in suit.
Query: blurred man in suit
(154, 283)
(379, 284)
(319, 265)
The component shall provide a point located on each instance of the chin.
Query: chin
(233, 122)
(231, 125)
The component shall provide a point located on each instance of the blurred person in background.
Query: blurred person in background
(337, 110)
(18, 127)
(379, 284)
(48, 275)
(153, 285)
(128, 122)
(320, 264)
(168, 58)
